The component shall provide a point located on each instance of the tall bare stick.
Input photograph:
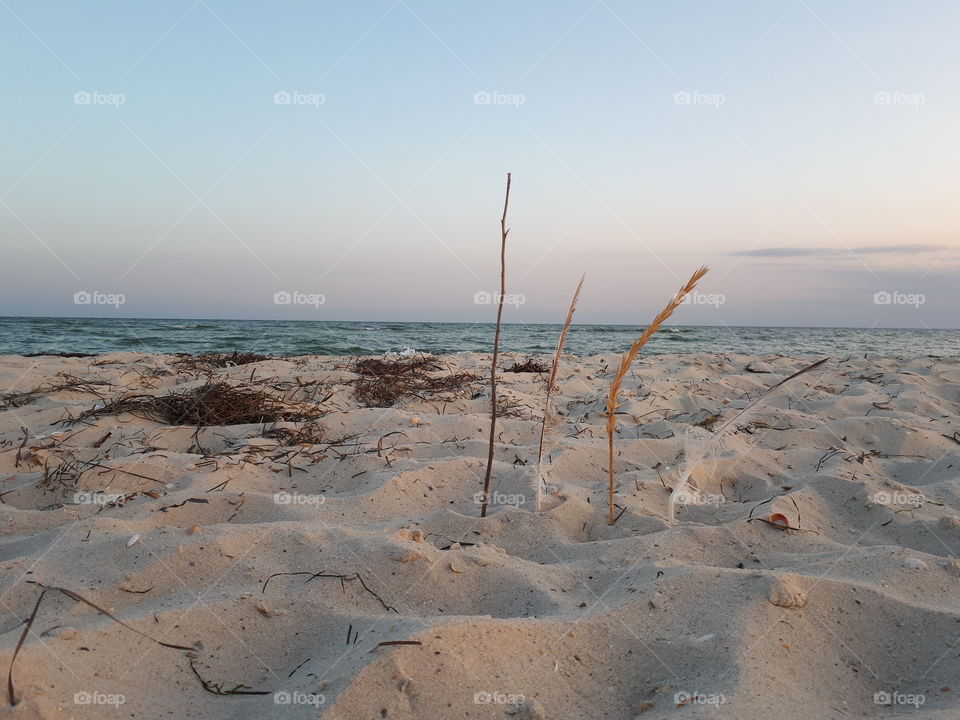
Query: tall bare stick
(504, 231)
(627, 360)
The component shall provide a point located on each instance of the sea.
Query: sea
(24, 336)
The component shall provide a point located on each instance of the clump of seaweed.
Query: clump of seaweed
(210, 404)
(385, 382)
(309, 433)
(528, 366)
(62, 381)
(213, 361)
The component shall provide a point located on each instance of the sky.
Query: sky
(347, 160)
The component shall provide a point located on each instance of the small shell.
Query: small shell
(133, 540)
(780, 520)
(915, 563)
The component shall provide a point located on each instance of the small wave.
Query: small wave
(406, 352)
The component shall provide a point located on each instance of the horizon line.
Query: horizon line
(467, 322)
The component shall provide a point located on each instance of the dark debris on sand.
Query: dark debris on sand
(210, 404)
(383, 382)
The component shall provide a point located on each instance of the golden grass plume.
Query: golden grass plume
(627, 360)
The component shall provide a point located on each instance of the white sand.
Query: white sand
(548, 614)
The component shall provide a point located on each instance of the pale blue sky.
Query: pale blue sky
(814, 165)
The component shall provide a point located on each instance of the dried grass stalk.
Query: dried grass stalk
(549, 411)
(627, 360)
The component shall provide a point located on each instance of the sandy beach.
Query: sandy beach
(335, 565)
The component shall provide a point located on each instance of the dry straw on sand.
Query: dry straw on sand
(701, 450)
(627, 360)
(549, 412)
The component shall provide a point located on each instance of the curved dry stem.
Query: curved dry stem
(627, 360)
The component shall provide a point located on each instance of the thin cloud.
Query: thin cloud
(788, 252)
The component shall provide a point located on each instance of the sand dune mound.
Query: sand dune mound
(326, 558)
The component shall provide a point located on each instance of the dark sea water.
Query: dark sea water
(21, 336)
